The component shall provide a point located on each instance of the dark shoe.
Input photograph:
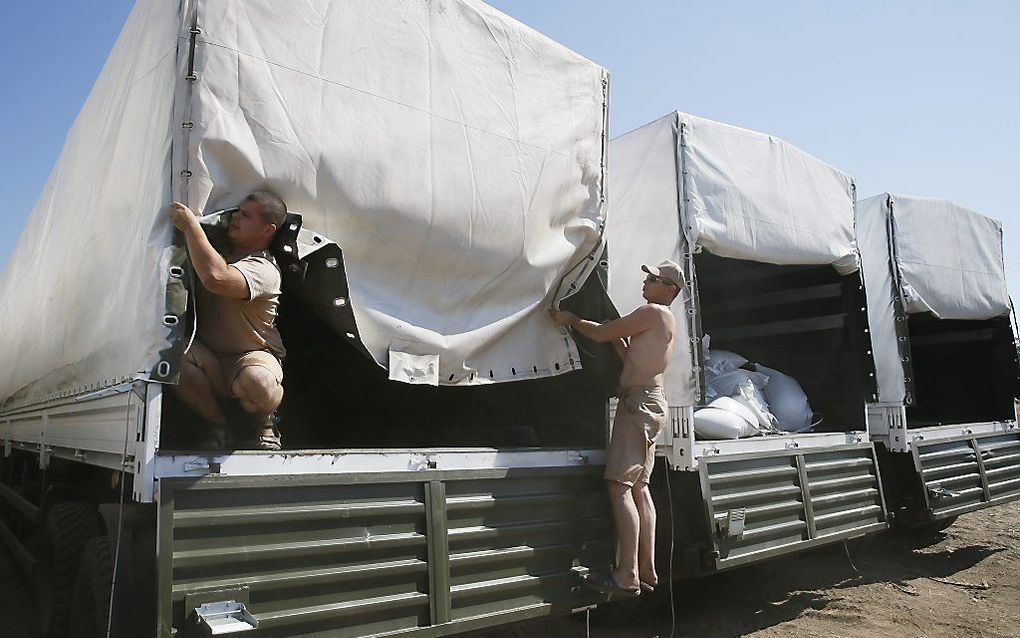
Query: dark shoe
(604, 583)
(268, 436)
(215, 438)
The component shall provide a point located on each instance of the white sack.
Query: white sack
(722, 361)
(727, 384)
(787, 401)
(725, 418)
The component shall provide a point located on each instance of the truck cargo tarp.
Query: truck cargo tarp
(750, 196)
(937, 257)
(454, 154)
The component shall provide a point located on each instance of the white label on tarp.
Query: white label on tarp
(414, 368)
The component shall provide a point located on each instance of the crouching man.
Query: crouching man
(645, 340)
(237, 350)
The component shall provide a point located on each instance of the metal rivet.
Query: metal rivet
(339, 302)
(293, 226)
(288, 249)
(350, 335)
(332, 262)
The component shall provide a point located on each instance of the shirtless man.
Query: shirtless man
(645, 340)
(237, 351)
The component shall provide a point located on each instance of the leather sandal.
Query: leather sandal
(269, 439)
(606, 584)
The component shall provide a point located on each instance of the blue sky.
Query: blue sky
(913, 97)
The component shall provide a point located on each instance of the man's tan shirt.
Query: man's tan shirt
(236, 326)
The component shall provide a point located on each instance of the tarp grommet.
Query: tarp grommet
(170, 320)
(339, 302)
(176, 272)
(185, 174)
(332, 262)
(163, 369)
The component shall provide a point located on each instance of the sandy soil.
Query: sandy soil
(963, 581)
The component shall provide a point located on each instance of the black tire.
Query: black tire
(67, 530)
(926, 530)
(90, 604)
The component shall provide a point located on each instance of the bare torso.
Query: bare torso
(649, 351)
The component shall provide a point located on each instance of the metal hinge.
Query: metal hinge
(224, 617)
(733, 525)
(938, 492)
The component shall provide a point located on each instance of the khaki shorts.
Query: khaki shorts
(222, 369)
(640, 416)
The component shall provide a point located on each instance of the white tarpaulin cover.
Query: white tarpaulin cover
(937, 257)
(453, 153)
(749, 196)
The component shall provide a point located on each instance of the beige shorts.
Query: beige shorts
(640, 416)
(222, 369)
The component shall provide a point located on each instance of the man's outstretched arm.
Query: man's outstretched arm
(218, 277)
(627, 326)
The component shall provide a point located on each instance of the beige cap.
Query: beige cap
(667, 270)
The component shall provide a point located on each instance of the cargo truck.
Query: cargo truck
(944, 421)
(765, 236)
(446, 169)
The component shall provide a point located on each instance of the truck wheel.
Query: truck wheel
(68, 527)
(926, 530)
(90, 604)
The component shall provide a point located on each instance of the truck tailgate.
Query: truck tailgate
(430, 551)
(968, 472)
(769, 503)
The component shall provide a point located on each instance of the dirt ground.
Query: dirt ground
(961, 582)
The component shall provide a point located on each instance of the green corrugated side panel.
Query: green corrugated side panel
(969, 472)
(421, 552)
(791, 500)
